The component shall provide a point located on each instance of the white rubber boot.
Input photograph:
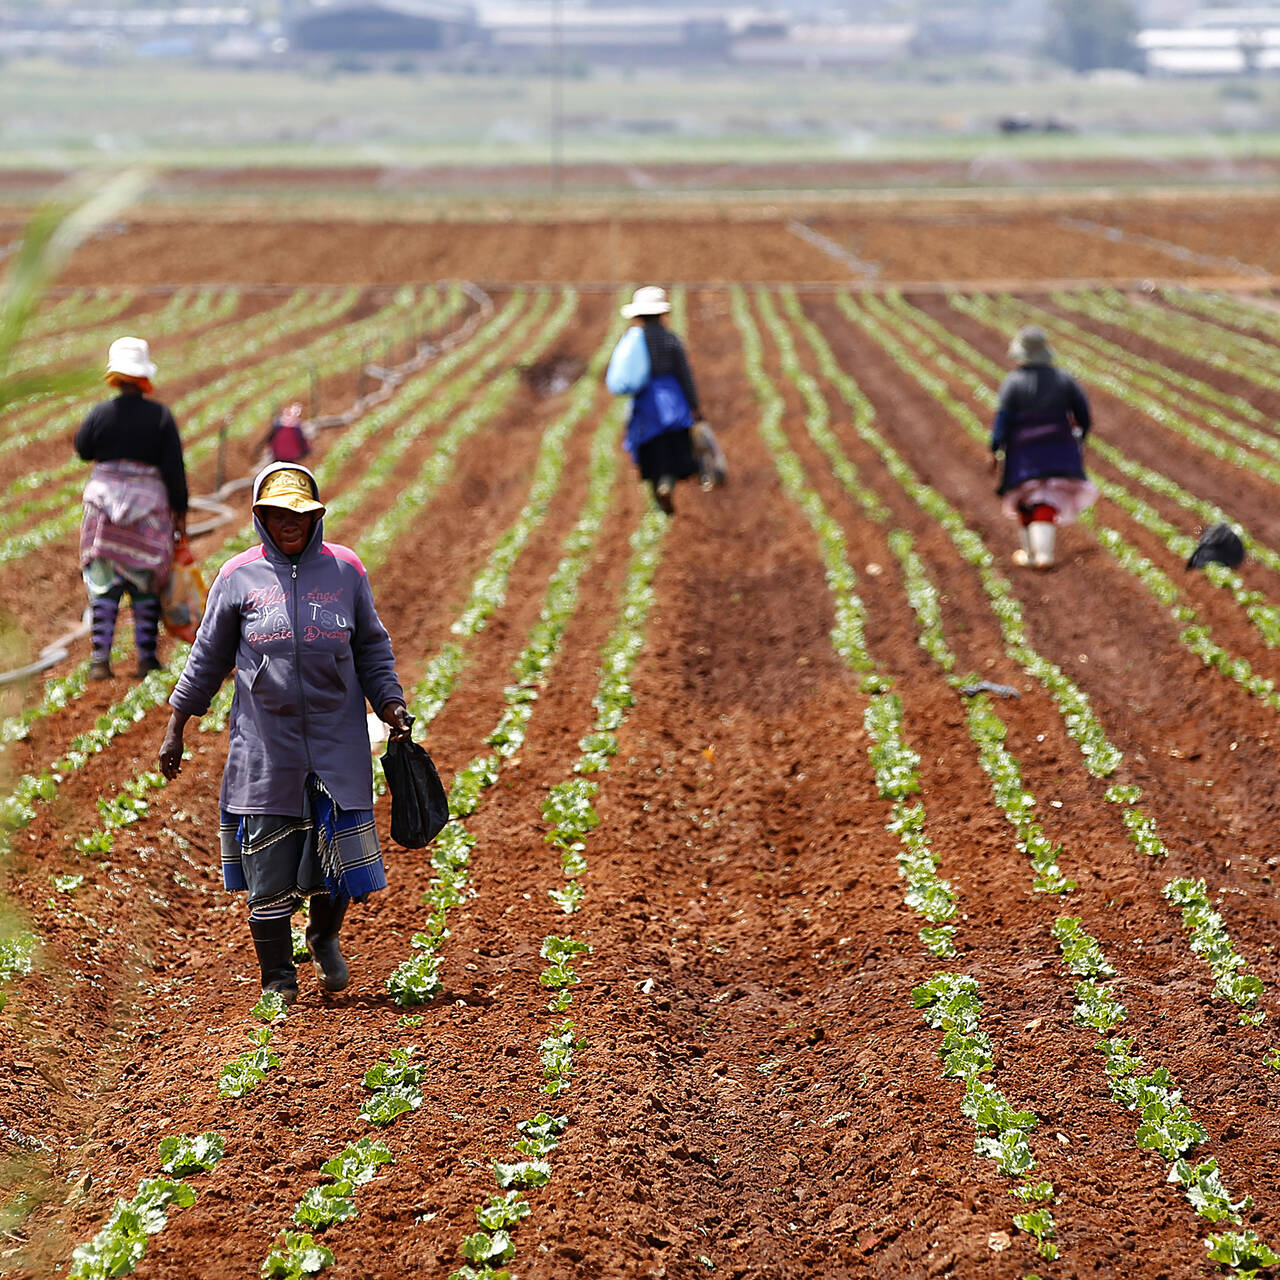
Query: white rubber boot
(1042, 535)
(1022, 557)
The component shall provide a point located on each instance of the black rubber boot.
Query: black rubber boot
(322, 941)
(273, 941)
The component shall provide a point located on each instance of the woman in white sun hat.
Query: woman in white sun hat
(134, 505)
(1041, 422)
(665, 413)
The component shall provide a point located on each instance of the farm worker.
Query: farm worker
(1041, 421)
(294, 619)
(135, 504)
(289, 438)
(665, 432)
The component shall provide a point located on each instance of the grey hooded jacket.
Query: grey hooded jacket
(307, 648)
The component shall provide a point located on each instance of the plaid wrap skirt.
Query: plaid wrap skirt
(281, 860)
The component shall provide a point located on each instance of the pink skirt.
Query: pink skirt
(1066, 496)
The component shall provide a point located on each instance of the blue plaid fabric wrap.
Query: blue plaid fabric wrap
(280, 861)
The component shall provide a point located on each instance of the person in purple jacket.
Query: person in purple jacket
(294, 620)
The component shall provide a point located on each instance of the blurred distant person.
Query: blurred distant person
(135, 504)
(289, 437)
(665, 433)
(1041, 422)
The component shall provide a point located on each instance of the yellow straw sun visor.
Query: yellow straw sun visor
(290, 490)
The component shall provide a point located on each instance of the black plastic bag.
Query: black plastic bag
(419, 806)
(1219, 544)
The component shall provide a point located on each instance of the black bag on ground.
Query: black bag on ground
(419, 806)
(1219, 544)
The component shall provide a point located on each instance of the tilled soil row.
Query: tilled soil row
(756, 1094)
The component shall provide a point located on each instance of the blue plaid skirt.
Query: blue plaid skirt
(280, 860)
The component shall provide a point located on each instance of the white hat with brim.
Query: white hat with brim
(131, 358)
(1030, 346)
(649, 301)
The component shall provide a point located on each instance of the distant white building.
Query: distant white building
(1213, 49)
(811, 45)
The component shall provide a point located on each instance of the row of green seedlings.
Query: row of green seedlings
(80, 308)
(1159, 377)
(394, 1091)
(216, 346)
(1101, 758)
(119, 1246)
(989, 374)
(239, 406)
(1166, 1124)
(1165, 1120)
(1233, 353)
(1172, 385)
(249, 1068)
(1264, 616)
(18, 809)
(42, 420)
(384, 533)
(950, 1002)
(986, 729)
(184, 310)
(418, 978)
(59, 692)
(28, 421)
(1195, 635)
(569, 810)
(1148, 391)
(1225, 310)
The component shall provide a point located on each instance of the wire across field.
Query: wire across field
(756, 947)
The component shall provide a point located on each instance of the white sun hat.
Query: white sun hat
(131, 358)
(649, 301)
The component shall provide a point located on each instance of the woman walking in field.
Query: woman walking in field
(1041, 421)
(134, 505)
(294, 620)
(665, 433)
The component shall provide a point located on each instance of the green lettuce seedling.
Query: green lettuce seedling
(182, 1154)
(295, 1256)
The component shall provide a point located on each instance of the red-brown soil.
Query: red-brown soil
(757, 1096)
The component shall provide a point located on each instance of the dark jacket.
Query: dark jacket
(666, 356)
(132, 428)
(669, 402)
(1040, 420)
(307, 648)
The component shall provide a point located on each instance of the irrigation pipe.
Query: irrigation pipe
(215, 504)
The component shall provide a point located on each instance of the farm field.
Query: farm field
(756, 947)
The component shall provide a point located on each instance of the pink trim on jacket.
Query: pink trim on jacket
(339, 552)
(244, 558)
